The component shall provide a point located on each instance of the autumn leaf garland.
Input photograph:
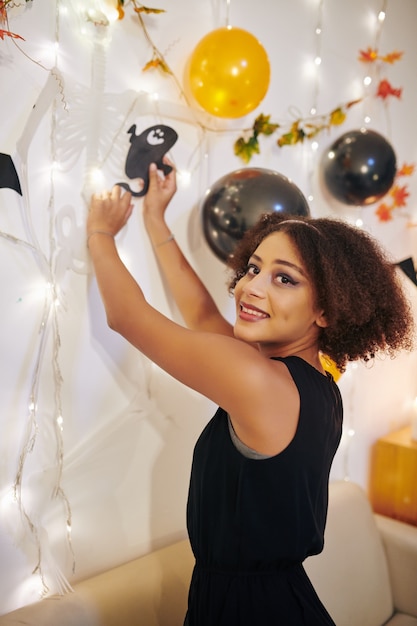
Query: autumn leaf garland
(397, 196)
(370, 56)
(157, 61)
(309, 128)
(299, 130)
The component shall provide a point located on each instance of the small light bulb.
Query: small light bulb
(184, 177)
(96, 175)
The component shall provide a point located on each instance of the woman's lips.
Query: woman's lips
(251, 313)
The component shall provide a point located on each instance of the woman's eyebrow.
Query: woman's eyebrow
(282, 262)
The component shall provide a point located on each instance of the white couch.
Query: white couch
(366, 576)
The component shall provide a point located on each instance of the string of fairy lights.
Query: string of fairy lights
(36, 417)
(350, 413)
(349, 377)
(48, 349)
(49, 340)
(315, 65)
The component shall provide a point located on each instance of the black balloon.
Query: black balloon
(236, 201)
(359, 168)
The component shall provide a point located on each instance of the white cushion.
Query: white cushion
(351, 574)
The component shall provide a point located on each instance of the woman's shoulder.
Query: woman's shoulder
(309, 381)
(299, 366)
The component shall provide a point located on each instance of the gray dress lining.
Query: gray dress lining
(243, 448)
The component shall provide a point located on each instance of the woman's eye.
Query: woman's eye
(283, 279)
(251, 270)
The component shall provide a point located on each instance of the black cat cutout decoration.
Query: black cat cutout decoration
(148, 147)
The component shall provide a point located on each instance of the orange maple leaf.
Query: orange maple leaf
(152, 64)
(400, 195)
(385, 89)
(392, 57)
(368, 56)
(406, 170)
(384, 212)
(8, 33)
(156, 63)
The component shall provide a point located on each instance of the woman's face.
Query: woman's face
(275, 300)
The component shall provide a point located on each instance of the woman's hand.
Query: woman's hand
(160, 192)
(109, 211)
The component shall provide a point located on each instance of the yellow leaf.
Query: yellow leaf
(156, 63)
(150, 65)
(337, 117)
(314, 132)
(147, 10)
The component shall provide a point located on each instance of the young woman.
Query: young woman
(259, 482)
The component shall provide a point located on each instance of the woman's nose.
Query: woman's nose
(257, 285)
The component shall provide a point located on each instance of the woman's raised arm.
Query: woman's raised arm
(195, 303)
(228, 371)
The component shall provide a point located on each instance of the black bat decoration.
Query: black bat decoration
(148, 147)
(8, 174)
(407, 267)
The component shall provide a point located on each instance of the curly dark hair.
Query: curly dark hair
(355, 283)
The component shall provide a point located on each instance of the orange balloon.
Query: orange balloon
(330, 366)
(229, 72)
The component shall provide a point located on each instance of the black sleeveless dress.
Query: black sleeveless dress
(252, 522)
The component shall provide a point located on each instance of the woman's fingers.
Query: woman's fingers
(116, 192)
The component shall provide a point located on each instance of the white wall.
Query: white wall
(128, 429)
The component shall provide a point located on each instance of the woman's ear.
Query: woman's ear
(321, 320)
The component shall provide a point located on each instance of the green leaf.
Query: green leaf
(246, 149)
(263, 126)
(295, 135)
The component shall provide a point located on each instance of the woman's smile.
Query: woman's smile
(251, 313)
